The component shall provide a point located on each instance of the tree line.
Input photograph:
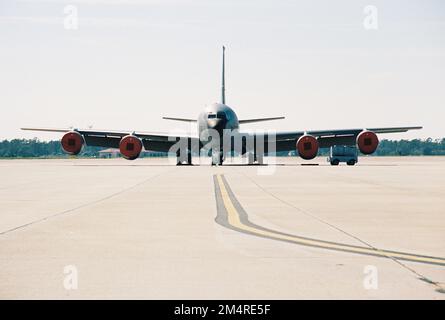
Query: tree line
(34, 148)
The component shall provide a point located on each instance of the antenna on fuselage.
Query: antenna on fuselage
(223, 87)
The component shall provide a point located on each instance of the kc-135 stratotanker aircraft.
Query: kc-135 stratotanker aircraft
(219, 118)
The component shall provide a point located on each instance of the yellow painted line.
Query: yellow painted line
(234, 220)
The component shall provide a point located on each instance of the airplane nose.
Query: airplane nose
(213, 123)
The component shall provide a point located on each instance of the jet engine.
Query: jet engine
(307, 147)
(130, 147)
(367, 142)
(72, 142)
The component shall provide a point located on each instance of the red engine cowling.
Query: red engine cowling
(367, 142)
(130, 147)
(307, 147)
(72, 142)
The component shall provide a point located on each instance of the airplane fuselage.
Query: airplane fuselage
(218, 117)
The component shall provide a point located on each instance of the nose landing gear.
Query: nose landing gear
(217, 159)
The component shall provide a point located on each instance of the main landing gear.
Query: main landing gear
(254, 158)
(184, 160)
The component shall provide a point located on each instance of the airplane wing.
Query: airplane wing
(161, 142)
(286, 141)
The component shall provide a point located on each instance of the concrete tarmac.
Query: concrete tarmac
(147, 229)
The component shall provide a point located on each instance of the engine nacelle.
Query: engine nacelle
(307, 147)
(367, 142)
(130, 147)
(72, 142)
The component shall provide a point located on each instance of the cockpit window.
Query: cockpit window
(212, 116)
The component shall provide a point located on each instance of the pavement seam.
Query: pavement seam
(2, 233)
(419, 276)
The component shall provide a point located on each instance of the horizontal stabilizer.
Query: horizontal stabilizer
(179, 119)
(259, 120)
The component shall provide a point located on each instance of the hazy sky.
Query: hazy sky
(131, 62)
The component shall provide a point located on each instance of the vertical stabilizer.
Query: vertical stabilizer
(223, 87)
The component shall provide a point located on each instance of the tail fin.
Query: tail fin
(223, 87)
